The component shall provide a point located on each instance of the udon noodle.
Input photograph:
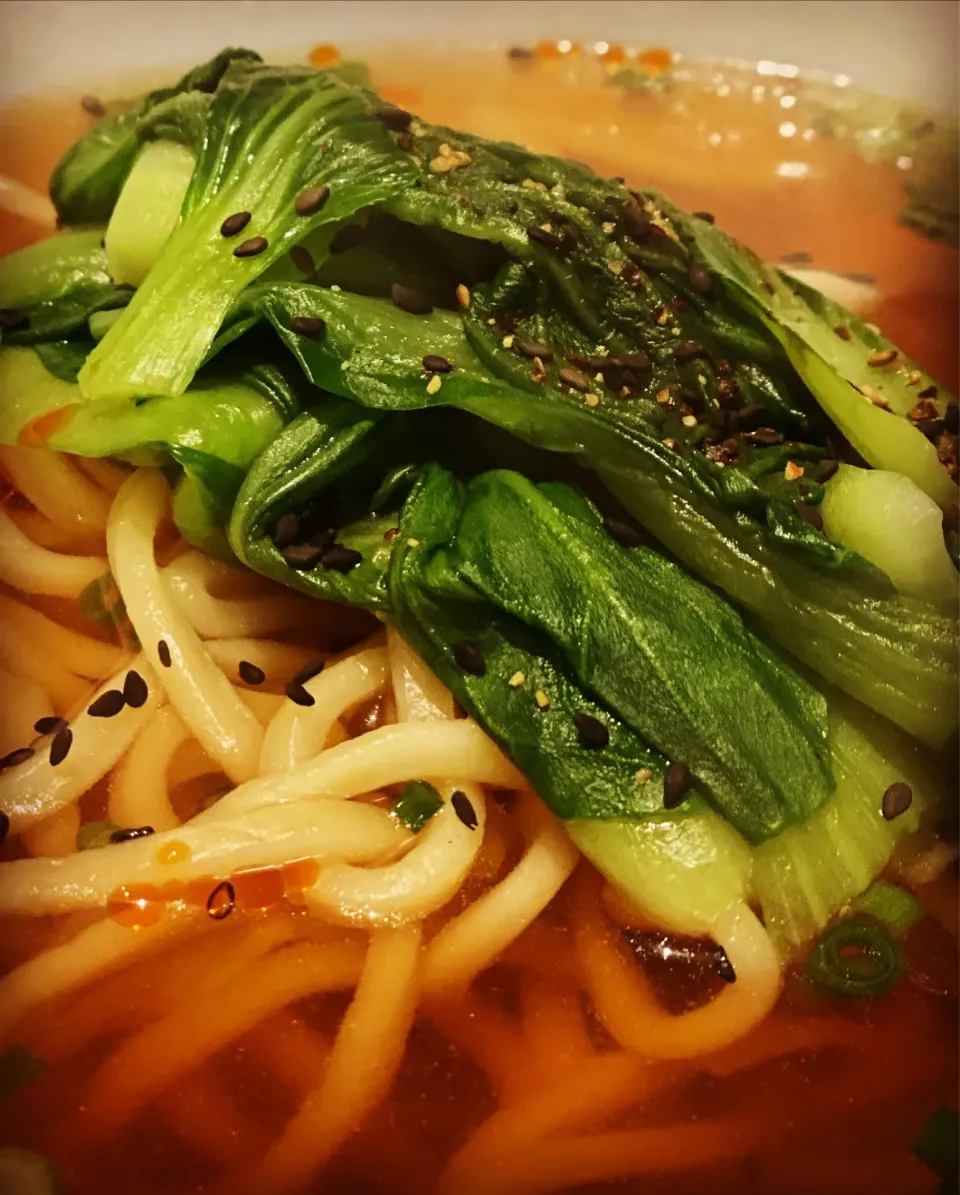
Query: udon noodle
(276, 875)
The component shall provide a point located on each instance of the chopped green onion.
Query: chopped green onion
(938, 1146)
(896, 908)
(417, 804)
(19, 1066)
(856, 957)
(95, 834)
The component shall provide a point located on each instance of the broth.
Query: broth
(824, 1095)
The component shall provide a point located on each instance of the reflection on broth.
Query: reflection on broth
(263, 986)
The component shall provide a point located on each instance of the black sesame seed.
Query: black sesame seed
(543, 237)
(707, 217)
(464, 810)
(519, 54)
(700, 279)
(298, 694)
(394, 118)
(250, 674)
(951, 418)
(234, 224)
(286, 530)
(435, 364)
(689, 350)
(307, 672)
(60, 747)
(676, 784)
(302, 556)
(723, 966)
(533, 348)
(896, 800)
(639, 362)
(405, 142)
(809, 514)
(222, 901)
(163, 651)
(93, 106)
(107, 705)
(303, 260)
(469, 659)
(135, 691)
(323, 538)
(764, 436)
(251, 247)
(623, 533)
(827, 470)
(409, 299)
(341, 559)
(591, 731)
(48, 725)
(311, 200)
(929, 392)
(931, 428)
(635, 224)
(574, 378)
(130, 834)
(12, 318)
(17, 756)
(4, 826)
(308, 325)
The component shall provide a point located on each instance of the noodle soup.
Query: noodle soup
(332, 939)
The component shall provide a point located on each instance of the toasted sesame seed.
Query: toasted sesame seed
(234, 224)
(591, 732)
(4, 826)
(308, 325)
(463, 297)
(671, 443)
(107, 705)
(793, 471)
(532, 348)
(623, 533)
(311, 200)
(48, 725)
(222, 901)
(250, 674)
(723, 966)
(434, 364)
(592, 400)
(132, 833)
(135, 691)
(914, 377)
(643, 776)
(882, 357)
(875, 397)
(413, 543)
(17, 756)
(676, 784)
(251, 247)
(517, 680)
(464, 810)
(409, 299)
(539, 372)
(897, 799)
(542, 699)
(163, 653)
(434, 384)
(60, 747)
(810, 515)
(298, 694)
(341, 559)
(689, 421)
(469, 659)
(507, 342)
(302, 556)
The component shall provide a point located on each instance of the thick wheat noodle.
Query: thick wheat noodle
(199, 691)
(263, 706)
(22, 703)
(325, 830)
(487, 1036)
(139, 794)
(297, 733)
(292, 1052)
(627, 1007)
(56, 836)
(95, 951)
(567, 1162)
(26, 566)
(104, 473)
(388, 755)
(419, 695)
(774, 1039)
(203, 1113)
(151, 1061)
(46, 534)
(34, 790)
(188, 580)
(470, 943)
(601, 1086)
(362, 1065)
(553, 1024)
(90, 658)
(279, 661)
(56, 488)
(414, 886)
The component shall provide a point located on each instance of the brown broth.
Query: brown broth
(830, 1119)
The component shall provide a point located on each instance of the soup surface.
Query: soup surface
(182, 1067)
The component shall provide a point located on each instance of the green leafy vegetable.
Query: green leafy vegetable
(417, 804)
(894, 906)
(938, 1146)
(856, 957)
(19, 1067)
